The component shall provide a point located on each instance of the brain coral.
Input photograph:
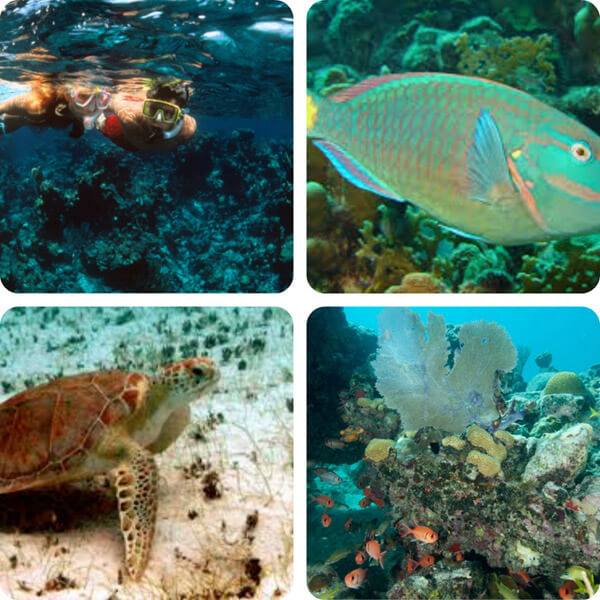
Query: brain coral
(565, 382)
(414, 378)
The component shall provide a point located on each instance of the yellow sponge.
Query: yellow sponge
(487, 465)
(482, 439)
(454, 442)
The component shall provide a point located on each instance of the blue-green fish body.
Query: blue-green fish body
(486, 159)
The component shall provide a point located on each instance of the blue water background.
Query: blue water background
(237, 54)
(572, 335)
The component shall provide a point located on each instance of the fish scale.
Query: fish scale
(481, 157)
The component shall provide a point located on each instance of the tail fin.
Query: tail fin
(312, 113)
(381, 558)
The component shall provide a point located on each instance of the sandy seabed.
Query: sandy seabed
(224, 524)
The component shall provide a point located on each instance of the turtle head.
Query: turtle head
(188, 379)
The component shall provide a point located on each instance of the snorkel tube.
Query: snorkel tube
(171, 133)
(167, 135)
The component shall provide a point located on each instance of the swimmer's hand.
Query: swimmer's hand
(100, 122)
(76, 129)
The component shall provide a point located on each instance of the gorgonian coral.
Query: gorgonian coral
(415, 378)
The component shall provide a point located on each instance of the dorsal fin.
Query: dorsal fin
(371, 82)
(366, 85)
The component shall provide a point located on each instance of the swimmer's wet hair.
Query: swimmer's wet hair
(170, 92)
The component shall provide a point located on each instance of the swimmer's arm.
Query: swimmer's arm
(23, 105)
(188, 129)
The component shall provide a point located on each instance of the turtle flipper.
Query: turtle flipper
(177, 421)
(137, 485)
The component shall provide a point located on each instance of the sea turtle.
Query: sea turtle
(84, 425)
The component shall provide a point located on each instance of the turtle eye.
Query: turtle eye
(581, 151)
(198, 371)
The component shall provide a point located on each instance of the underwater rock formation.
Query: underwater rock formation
(336, 351)
(559, 456)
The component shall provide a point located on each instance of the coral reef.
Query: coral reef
(215, 216)
(507, 507)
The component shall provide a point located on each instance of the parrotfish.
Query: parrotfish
(485, 159)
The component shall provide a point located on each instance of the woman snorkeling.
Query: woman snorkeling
(47, 104)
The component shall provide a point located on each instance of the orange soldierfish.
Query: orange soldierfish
(348, 523)
(323, 500)
(325, 520)
(355, 578)
(373, 498)
(374, 551)
(420, 533)
(360, 558)
(335, 444)
(567, 590)
(425, 561)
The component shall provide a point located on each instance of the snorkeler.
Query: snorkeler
(54, 105)
(45, 105)
(88, 104)
(157, 122)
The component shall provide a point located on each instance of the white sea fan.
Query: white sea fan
(413, 378)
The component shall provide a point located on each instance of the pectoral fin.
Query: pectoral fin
(488, 177)
(137, 486)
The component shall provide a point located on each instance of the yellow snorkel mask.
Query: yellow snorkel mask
(162, 111)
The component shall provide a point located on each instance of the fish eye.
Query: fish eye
(581, 151)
